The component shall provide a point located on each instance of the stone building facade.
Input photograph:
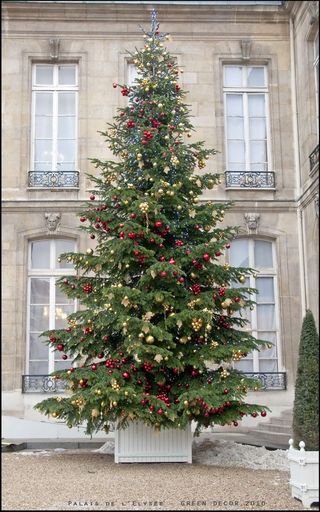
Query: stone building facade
(250, 69)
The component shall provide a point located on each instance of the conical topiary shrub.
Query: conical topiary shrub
(306, 402)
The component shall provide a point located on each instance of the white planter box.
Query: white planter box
(139, 443)
(304, 474)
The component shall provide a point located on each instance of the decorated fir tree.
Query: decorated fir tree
(160, 316)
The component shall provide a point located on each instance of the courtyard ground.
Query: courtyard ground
(90, 480)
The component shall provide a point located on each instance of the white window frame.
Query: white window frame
(52, 274)
(54, 88)
(245, 90)
(253, 327)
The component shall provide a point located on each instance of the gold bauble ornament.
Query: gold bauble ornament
(89, 251)
(210, 184)
(95, 413)
(149, 339)
(242, 279)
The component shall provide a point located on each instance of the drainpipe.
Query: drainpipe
(296, 155)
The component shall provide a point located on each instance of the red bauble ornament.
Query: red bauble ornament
(218, 253)
(263, 413)
(221, 291)
(160, 411)
(172, 261)
(52, 339)
(93, 366)
(131, 124)
(196, 289)
(100, 356)
(158, 224)
(226, 391)
(163, 274)
(125, 91)
(64, 357)
(206, 256)
(83, 219)
(179, 243)
(92, 237)
(133, 215)
(254, 414)
(114, 85)
(181, 279)
(235, 423)
(105, 338)
(236, 299)
(227, 246)
(92, 197)
(60, 347)
(126, 375)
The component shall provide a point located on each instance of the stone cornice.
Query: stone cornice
(140, 13)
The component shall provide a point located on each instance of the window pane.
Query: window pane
(257, 128)
(239, 253)
(67, 75)
(234, 105)
(258, 151)
(265, 287)
(39, 291)
(66, 103)
(61, 247)
(44, 75)
(61, 297)
(38, 368)
(132, 74)
(66, 166)
(66, 151)
(265, 317)
(66, 127)
(245, 365)
(256, 104)
(236, 151)
(43, 127)
(260, 167)
(38, 347)
(61, 314)
(39, 318)
(62, 365)
(266, 365)
(43, 150)
(42, 166)
(268, 352)
(40, 254)
(263, 254)
(236, 167)
(44, 103)
(235, 128)
(256, 77)
(232, 76)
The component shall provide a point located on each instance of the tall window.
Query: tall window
(132, 73)
(48, 307)
(54, 118)
(263, 323)
(246, 118)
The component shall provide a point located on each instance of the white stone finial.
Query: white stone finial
(302, 446)
(291, 441)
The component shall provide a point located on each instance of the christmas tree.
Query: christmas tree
(160, 316)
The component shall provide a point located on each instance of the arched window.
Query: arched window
(263, 318)
(48, 307)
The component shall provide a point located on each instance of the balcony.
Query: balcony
(270, 381)
(53, 179)
(250, 180)
(314, 161)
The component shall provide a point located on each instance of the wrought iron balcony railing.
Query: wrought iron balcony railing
(273, 381)
(314, 160)
(53, 179)
(255, 179)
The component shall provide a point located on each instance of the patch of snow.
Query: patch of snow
(35, 452)
(107, 447)
(231, 454)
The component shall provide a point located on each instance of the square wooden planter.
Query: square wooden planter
(139, 443)
(304, 474)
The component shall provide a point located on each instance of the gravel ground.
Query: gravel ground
(87, 480)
